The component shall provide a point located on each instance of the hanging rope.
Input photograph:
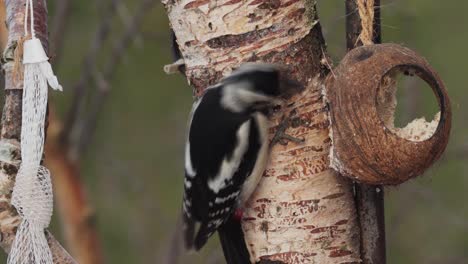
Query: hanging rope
(366, 12)
(32, 194)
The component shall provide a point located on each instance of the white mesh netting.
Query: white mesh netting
(32, 197)
(32, 193)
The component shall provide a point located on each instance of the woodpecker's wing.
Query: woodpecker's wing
(221, 151)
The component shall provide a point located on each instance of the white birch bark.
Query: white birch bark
(302, 212)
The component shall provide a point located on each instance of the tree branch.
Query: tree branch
(59, 25)
(79, 90)
(3, 28)
(369, 199)
(119, 48)
(11, 125)
(174, 245)
(78, 219)
(62, 156)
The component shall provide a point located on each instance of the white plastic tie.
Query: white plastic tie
(33, 51)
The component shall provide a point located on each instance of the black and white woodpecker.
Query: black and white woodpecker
(226, 153)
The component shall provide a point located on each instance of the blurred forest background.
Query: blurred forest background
(131, 166)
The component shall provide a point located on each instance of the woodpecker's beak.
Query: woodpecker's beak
(289, 87)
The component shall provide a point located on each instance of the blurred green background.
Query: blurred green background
(133, 169)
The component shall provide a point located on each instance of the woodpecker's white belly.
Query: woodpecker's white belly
(252, 180)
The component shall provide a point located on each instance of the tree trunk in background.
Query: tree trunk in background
(11, 125)
(78, 219)
(3, 29)
(302, 212)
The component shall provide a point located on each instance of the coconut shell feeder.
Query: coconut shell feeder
(361, 95)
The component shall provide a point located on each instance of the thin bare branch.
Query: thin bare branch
(126, 18)
(59, 25)
(174, 245)
(89, 66)
(118, 51)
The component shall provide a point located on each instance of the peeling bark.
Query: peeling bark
(11, 125)
(302, 212)
(216, 36)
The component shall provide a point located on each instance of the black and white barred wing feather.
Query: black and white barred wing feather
(220, 154)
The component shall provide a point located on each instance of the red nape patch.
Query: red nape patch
(238, 214)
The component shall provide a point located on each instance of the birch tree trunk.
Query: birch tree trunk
(302, 212)
(11, 124)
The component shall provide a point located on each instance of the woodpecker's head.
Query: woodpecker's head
(256, 85)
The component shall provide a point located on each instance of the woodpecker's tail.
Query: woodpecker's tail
(196, 241)
(233, 243)
(189, 230)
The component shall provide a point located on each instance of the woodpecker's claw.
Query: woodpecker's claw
(280, 135)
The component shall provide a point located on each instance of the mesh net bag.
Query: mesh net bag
(32, 194)
(33, 199)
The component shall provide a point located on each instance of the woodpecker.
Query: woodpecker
(226, 153)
